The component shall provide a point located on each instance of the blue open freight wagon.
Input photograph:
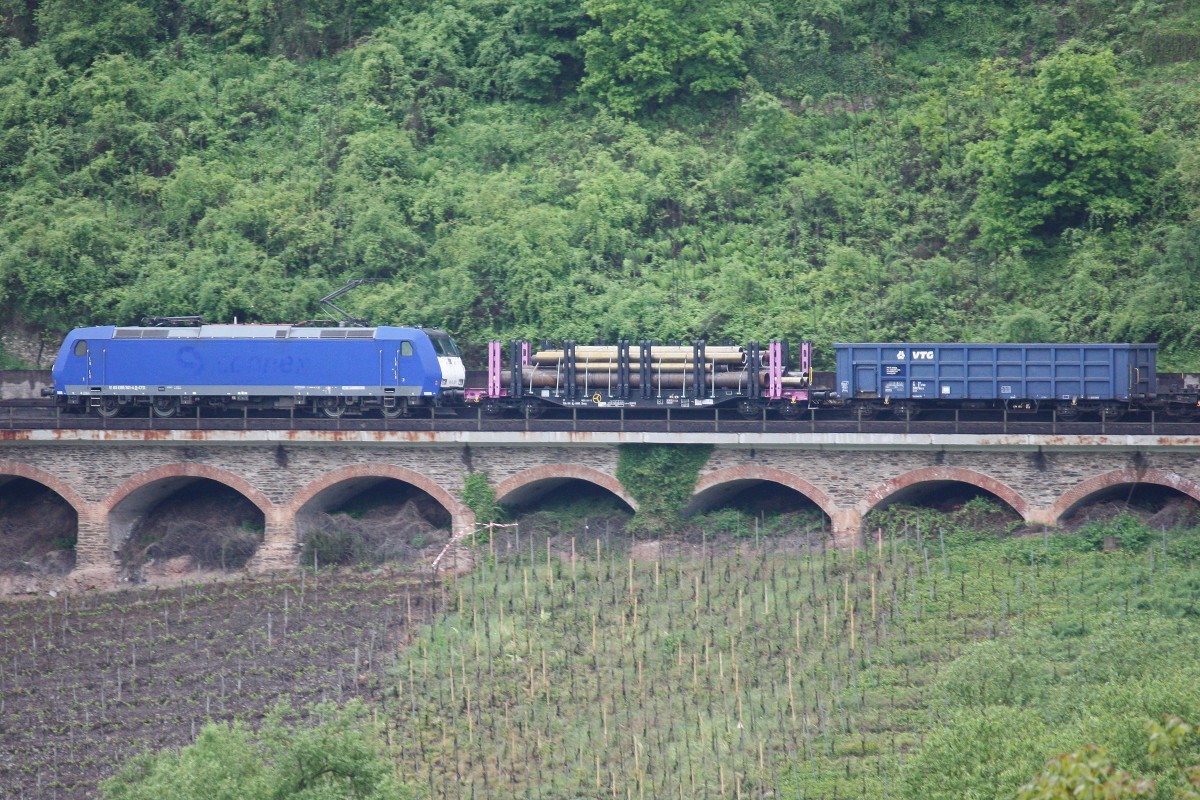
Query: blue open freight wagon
(1068, 377)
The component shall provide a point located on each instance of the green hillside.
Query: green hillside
(948, 661)
(836, 169)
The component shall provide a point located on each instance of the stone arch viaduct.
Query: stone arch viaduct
(112, 478)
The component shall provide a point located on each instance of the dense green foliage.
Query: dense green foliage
(1088, 773)
(661, 478)
(1068, 152)
(337, 755)
(843, 169)
(644, 51)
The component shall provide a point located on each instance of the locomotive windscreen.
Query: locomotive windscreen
(443, 345)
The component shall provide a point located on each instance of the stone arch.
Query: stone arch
(123, 513)
(462, 519)
(724, 479)
(1075, 496)
(944, 474)
(52, 533)
(515, 487)
(16, 469)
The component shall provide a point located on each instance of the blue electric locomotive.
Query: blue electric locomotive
(330, 371)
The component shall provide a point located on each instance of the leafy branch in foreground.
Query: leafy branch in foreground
(340, 756)
(1088, 774)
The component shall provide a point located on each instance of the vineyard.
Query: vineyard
(937, 662)
(948, 658)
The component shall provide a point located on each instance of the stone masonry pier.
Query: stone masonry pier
(112, 478)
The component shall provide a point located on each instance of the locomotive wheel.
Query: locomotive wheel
(333, 411)
(396, 411)
(109, 407)
(164, 407)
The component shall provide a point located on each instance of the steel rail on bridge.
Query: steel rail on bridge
(34, 415)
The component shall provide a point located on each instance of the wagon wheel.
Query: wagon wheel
(492, 409)
(109, 407)
(903, 410)
(1111, 412)
(790, 410)
(164, 407)
(1067, 412)
(865, 410)
(748, 409)
(531, 408)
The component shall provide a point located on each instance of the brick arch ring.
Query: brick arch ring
(956, 474)
(1080, 492)
(563, 472)
(462, 518)
(720, 477)
(52, 482)
(190, 470)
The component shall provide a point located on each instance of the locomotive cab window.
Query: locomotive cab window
(443, 345)
(406, 348)
(80, 348)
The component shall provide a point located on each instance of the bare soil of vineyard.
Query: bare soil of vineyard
(87, 681)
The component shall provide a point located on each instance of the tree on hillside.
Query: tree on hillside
(79, 32)
(645, 51)
(1068, 151)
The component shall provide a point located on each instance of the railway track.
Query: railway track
(41, 415)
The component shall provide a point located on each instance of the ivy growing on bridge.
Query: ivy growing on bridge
(661, 479)
(479, 496)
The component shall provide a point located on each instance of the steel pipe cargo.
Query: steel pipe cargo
(665, 355)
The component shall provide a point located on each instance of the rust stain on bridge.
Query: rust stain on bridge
(830, 441)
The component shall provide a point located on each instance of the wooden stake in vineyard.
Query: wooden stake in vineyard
(851, 631)
(791, 693)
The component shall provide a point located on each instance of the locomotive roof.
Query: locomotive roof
(257, 332)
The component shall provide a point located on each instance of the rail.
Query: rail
(28, 415)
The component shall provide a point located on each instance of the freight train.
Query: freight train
(173, 366)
